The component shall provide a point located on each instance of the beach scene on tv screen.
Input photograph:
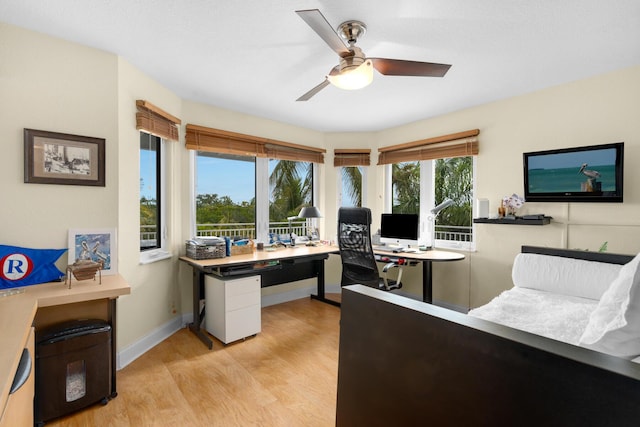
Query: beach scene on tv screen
(581, 171)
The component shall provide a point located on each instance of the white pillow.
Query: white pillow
(566, 276)
(614, 326)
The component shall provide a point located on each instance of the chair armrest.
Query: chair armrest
(390, 265)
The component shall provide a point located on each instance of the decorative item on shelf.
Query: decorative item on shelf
(84, 269)
(501, 210)
(21, 267)
(511, 204)
(96, 245)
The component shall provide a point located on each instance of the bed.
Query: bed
(404, 362)
(572, 296)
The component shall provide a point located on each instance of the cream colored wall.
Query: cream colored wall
(155, 289)
(48, 84)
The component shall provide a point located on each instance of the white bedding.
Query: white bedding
(560, 317)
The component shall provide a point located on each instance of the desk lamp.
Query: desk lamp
(306, 212)
(310, 212)
(432, 220)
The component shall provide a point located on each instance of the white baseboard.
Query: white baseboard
(155, 337)
(147, 342)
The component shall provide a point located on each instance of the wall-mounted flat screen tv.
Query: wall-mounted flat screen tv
(582, 174)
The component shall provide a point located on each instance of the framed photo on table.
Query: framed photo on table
(60, 158)
(94, 245)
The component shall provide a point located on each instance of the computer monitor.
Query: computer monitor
(399, 230)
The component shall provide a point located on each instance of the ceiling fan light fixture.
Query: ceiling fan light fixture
(353, 78)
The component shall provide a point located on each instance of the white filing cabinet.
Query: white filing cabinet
(232, 307)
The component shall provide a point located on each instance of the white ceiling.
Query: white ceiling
(258, 57)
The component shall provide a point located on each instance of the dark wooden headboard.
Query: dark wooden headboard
(407, 363)
(573, 253)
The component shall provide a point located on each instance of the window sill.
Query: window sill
(153, 256)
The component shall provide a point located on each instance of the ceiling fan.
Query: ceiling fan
(355, 70)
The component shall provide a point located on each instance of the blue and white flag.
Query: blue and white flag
(25, 266)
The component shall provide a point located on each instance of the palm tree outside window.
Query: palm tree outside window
(351, 186)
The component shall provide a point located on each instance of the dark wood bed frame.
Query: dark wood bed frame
(407, 363)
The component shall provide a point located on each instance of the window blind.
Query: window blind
(156, 121)
(221, 141)
(351, 157)
(459, 144)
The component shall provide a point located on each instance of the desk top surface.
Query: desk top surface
(58, 293)
(263, 256)
(303, 251)
(430, 255)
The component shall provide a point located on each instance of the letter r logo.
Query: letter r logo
(15, 266)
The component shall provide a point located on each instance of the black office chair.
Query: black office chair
(358, 260)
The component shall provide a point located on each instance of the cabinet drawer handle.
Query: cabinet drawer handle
(23, 372)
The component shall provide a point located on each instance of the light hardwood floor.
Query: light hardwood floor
(284, 376)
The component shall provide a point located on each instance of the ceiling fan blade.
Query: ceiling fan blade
(316, 20)
(313, 91)
(400, 67)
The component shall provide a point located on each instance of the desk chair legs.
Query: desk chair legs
(387, 284)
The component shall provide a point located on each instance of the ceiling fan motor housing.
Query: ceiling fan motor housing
(351, 31)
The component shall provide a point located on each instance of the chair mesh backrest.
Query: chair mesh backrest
(354, 239)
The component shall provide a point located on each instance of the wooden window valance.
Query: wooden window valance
(156, 121)
(459, 144)
(351, 157)
(221, 141)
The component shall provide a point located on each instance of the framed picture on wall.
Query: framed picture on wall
(94, 245)
(60, 158)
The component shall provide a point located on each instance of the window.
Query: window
(418, 186)
(406, 188)
(251, 197)
(351, 186)
(352, 174)
(453, 179)
(152, 209)
(282, 181)
(290, 188)
(225, 195)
